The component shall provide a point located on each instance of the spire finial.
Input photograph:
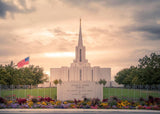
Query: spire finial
(80, 42)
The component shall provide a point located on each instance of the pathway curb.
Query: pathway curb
(75, 110)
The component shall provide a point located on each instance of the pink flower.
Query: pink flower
(39, 96)
(94, 107)
(148, 107)
(21, 101)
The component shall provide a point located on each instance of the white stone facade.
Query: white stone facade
(79, 81)
(80, 69)
(79, 90)
(87, 74)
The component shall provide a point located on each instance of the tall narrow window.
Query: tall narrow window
(80, 59)
(80, 74)
(68, 75)
(92, 74)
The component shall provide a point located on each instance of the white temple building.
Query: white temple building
(80, 69)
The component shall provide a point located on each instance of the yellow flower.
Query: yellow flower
(136, 104)
(44, 103)
(118, 104)
(9, 102)
(38, 102)
(58, 102)
(30, 104)
(29, 101)
(65, 102)
(89, 103)
(104, 104)
(124, 103)
(72, 106)
(52, 102)
(79, 103)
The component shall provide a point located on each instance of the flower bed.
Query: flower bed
(111, 103)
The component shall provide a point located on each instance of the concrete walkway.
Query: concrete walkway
(75, 111)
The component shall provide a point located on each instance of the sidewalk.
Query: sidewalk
(75, 110)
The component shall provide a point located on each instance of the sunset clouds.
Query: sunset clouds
(116, 33)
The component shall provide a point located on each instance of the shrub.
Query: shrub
(105, 100)
(34, 100)
(2, 100)
(150, 100)
(48, 99)
(21, 101)
(95, 101)
(41, 99)
(157, 101)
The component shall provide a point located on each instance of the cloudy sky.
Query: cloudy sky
(116, 33)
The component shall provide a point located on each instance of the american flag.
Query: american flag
(23, 62)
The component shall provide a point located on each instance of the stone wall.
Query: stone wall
(79, 90)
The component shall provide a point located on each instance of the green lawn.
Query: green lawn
(22, 93)
(107, 92)
(129, 93)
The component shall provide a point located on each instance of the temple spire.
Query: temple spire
(80, 55)
(80, 42)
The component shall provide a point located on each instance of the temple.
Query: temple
(80, 69)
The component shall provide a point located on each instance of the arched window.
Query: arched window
(80, 59)
(92, 74)
(68, 75)
(80, 74)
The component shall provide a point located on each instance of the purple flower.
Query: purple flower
(132, 107)
(2, 106)
(14, 105)
(50, 106)
(114, 106)
(24, 106)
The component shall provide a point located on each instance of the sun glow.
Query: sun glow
(60, 54)
(46, 33)
(47, 72)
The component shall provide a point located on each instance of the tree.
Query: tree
(132, 72)
(60, 81)
(55, 82)
(121, 76)
(24, 76)
(102, 81)
(150, 69)
(37, 75)
(129, 76)
(7, 74)
(146, 73)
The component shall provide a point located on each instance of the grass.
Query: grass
(107, 92)
(129, 93)
(23, 93)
